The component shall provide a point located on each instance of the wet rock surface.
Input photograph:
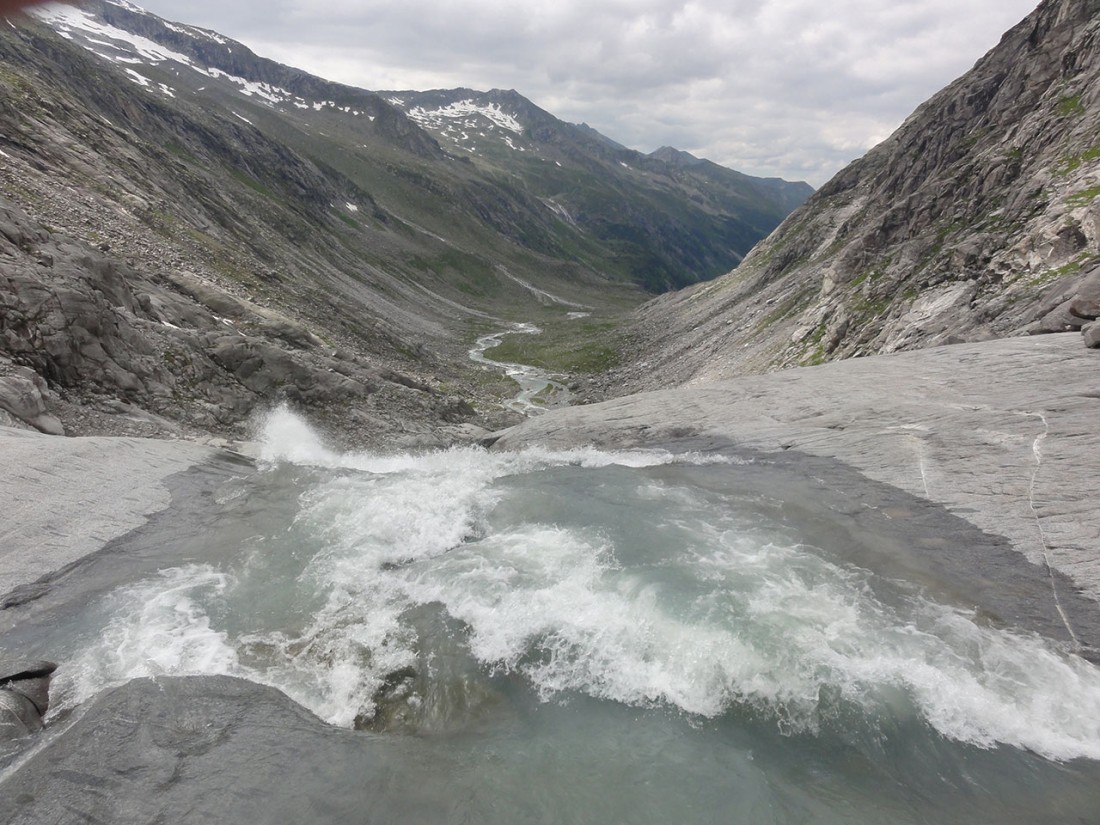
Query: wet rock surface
(215, 749)
(1002, 433)
(67, 497)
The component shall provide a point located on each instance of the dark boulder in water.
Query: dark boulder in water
(24, 696)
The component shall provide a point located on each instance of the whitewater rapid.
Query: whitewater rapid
(633, 578)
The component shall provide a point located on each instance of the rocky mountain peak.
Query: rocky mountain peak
(675, 157)
(978, 218)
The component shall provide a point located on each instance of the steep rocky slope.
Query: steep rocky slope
(978, 218)
(190, 232)
(170, 273)
(669, 215)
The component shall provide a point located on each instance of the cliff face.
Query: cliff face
(978, 218)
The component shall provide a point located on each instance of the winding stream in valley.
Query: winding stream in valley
(538, 389)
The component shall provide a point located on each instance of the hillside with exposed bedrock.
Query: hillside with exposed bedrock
(191, 233)
(979, 218)
(668, 213)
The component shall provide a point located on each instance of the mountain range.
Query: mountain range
(234, 199)
(191, 232)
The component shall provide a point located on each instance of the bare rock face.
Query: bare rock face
(978, 218)
(23, 395)
(164, 350)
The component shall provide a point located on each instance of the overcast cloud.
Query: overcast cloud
(794, 88)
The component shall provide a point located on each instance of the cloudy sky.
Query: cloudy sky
(794, 88)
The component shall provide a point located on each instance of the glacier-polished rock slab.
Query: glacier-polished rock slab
(200, 749)
(67, 497)
(1005, 434)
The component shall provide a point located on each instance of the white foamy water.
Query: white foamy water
(159, 627)
(581, 572)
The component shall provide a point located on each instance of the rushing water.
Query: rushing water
(602, 637)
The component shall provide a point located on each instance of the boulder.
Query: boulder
(1092, 335)
(1088, 309)
(24, 696)
(1061, 319)
(1086, 303)
(23, 395)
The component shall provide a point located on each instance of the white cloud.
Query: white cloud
(794, 88)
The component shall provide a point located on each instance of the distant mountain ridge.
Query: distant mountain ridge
(666, 239)
(686, 211)
(190, 231)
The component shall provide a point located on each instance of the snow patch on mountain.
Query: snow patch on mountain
(130, 49)
(66, 19)
(123, 4)
(457, 120)
(559, 210)
(139, 79)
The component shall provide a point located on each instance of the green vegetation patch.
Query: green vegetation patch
(471, 274)
(1072, 163)
(251, 182)
(1085, 197)
(178, 151)
(815, 346)
(575, 347)
(872, 275)
(1051, 275)
(348, 219)
(1070, 105)
(870, 308)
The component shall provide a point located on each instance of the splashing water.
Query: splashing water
(422, 592)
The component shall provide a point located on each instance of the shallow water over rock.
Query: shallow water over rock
(569, 636)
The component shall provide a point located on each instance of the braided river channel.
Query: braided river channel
(591, 637)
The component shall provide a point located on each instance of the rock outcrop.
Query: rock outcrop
(162, 353)
(218, 749)
(977, 219)
(24, 696)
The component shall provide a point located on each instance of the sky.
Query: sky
(788, 88)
